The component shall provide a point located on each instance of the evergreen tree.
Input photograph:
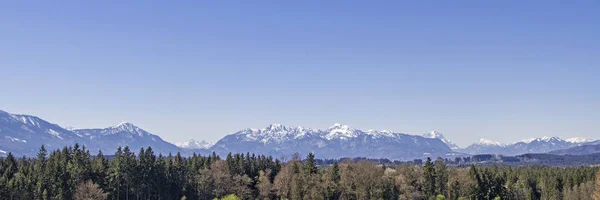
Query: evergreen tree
(58, 175)
(335, 173)
(40, 174)
(429, 176)
(310, 165)
(441, 176)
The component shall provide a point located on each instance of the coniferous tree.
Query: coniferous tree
(429, 176)
(40, 174)
(335, 173)
(310, 165)
(147, 176)
(441, 176)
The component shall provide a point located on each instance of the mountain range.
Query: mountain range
(334, 142)
(24, 134)
(533, 145)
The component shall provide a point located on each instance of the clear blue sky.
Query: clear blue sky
(503, 70)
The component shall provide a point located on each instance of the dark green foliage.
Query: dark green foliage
(310, 166)
(429, 176)
(127, 175)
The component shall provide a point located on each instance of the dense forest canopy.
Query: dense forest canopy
(73, 173)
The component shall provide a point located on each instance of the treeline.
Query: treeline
(73, 173)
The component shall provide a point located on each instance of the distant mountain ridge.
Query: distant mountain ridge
(193, 144)
(533, 145)
(334, 142)
(592, 148)
(124, 134)
(24, 134)
(435, 134)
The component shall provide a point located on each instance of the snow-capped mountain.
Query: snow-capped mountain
(334, 142)
(532, 145)
(26, 134)
(124, 134)
(338, 131)
(438, 135)
(579, 140)
(541, 139)
(579, 150)
(539, 145)
(486, 142)
(193, 144)
(484, 146)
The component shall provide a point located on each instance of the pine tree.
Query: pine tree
(310, 166)
(100, 170)
(335, 173)
(40, 173)
(429, 176)
(441, 176)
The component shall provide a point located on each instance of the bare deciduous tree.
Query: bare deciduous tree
(89, 191)
(596, 194)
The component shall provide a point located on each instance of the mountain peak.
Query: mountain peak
(339, 126)
(438, 135)
(276, 126)
(541, 139)
(487, 142)
(124, 124)
(434, 134)
(340, 131)
(579, 140)
(126, 127)
(193, 144)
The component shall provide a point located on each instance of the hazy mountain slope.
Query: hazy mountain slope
(193, 144)
(533, 145)
(578, 150)
(334, 142)
(24, 134)
(125, 134)
(435, 134)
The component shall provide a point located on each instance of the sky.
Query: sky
(501, 70)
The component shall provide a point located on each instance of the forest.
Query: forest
(74, 173)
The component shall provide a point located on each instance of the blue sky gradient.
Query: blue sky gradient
(504, 70)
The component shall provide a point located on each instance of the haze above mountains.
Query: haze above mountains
(24, 134)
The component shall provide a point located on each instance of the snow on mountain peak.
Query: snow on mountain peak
(541, 139)
(579, 140)
(124, 124)
(434, 134)
(275, 133)
(383, 133)
(340, 131)
(276, 127)
(487, 142)
(29, 120)
(438, 135)
(126, 127)
(193, 144)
